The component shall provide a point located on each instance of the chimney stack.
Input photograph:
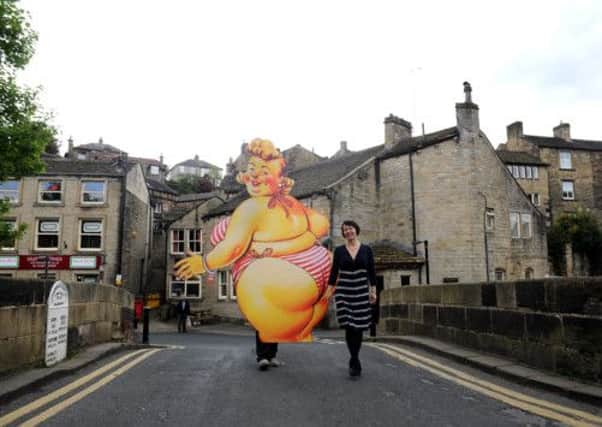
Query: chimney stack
(196, 157)
(514, 131)
(396, 129)
(70, 149)
(563, 131)
(467, 114)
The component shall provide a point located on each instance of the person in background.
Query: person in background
(353, 282)
(182, 312)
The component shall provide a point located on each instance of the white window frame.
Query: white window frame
(186, 295)
(534, 198)
(154, 170)
(83, 191)
(521, 170)
(12, 221)
(528, 172)
(16, 194)
(500, 274)
(535, 172)
(158, 207)
(568, 194)
(565, 160)
(525, 219)
(191, 238)
(509, 169)
(515, 171)
(186, 240)
(38, 233)
(490, 219)
(223, 288)
(40, 191)
(81, 234)
(515, 219)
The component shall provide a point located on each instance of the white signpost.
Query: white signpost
(57, 323)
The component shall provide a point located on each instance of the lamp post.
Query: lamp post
(426, 258)
(485, 238)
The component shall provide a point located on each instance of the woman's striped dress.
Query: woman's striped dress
(352, 292)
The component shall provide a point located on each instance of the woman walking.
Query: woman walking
(353, 282)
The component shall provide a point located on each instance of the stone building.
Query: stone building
(87, 221)
(437, 208)
(574, 168)
(296, 157)
(195, 167)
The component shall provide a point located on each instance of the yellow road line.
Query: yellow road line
(50, 412)
(12, 416)
(509, 397)
(497, 388)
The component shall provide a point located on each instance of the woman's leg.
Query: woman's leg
(353, 338)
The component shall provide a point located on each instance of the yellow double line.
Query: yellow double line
(53, 410)
(564, 414)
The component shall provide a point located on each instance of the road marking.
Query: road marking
(50, 412)
(543, 408)
(8, 418)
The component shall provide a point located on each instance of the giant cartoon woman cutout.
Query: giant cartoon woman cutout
(272, 242)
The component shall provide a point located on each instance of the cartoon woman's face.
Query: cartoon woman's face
(262, 177)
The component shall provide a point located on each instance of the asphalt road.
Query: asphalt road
(213, 380)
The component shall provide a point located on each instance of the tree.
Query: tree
(582, 232)
(24, 128)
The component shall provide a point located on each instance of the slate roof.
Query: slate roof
(82, 168)
(195, 196)
(146, 161)
(311, 179)
(406, 145)
(159, 186)
(573, 144)
(519, 158)
(389, 254)
(174, 214)
(96, 146)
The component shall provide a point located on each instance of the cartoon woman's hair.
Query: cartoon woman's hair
(265, 150)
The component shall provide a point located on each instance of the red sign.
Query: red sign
(55, 262)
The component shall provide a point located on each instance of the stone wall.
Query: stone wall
(553, 324)
(97, 313)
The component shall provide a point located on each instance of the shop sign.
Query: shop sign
(9, 261)
(38, 262)
(83, 262)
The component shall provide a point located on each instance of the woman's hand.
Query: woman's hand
(328, 292)
(372, 295)
(189, 267)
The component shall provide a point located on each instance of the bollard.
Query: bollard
(145, 325)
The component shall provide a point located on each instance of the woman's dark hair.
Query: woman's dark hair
(350, 223)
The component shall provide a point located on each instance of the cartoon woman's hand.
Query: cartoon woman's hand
(191, 266)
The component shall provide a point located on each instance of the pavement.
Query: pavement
(21, 382)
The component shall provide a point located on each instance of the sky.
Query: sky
(187, 77)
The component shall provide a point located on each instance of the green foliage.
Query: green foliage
(24, 128)
(582, 231)
(189, 184)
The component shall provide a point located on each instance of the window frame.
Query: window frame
(185, 282)
(499, 271)
(529, 273)
(530, 225)
(186, 240)
(517, 216)
(568, 159)
(17, 192)
(40, 191)
(38, 234)
(568, 196)
(490, 219)
(104, 192)
(152, 169)
(81, 234)
(222, 294)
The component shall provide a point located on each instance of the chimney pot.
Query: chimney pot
(467, 115)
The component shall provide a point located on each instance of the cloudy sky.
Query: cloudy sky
(191, 77)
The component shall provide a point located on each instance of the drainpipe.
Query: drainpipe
(123, 166)
(414, 242)
(485, 239)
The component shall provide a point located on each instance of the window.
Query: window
(529, 172)
(509, 169)
(489, 219)
(50, 191)
(10, 244)
(520, 225)
(185, 288)
(529, 273)
(154, 170)
(81, 156)
(565, 160)
(93, 191)
(568, 190)
(514, 222)
(224, 283)
(189, 238)
(534, 198)
(90, 234)
(86, 278)
(405, 280)
(535, 171)
(515, 171)
(500, 274)
(521, 170)
(525, 226)
(9, 190)
(47, 234)
(158, 207)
